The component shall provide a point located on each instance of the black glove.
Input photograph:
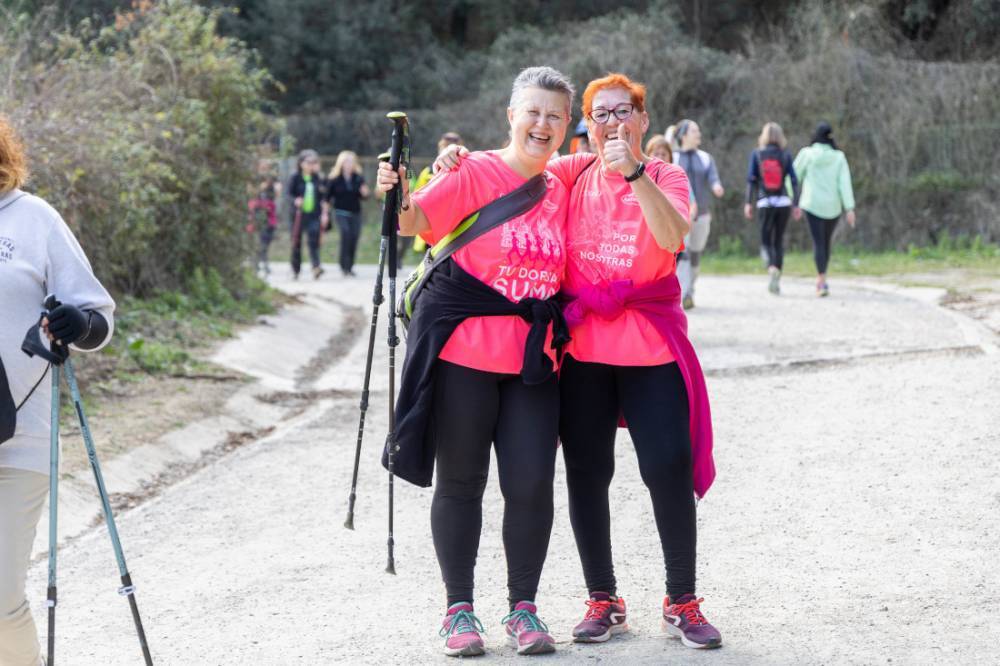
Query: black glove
(68, 323)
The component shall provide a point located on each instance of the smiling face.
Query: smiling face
(538, 124)
(637, 123)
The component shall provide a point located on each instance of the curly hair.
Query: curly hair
(13, 164)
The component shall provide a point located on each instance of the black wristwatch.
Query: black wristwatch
(639, 170)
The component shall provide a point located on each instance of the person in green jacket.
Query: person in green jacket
(825, 179)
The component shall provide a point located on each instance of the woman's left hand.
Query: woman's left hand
(65, 324)
(851, 219)
(618, 155)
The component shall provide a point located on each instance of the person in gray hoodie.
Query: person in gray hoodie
(704, 179)
(826, 193)
(38, 256)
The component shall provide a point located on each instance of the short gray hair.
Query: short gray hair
(545, 78)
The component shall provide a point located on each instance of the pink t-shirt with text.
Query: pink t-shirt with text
(607, 240)
(524, 257)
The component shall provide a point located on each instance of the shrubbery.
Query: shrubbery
(920, 136)
(143, 135)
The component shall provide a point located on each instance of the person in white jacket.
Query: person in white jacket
(38, 256)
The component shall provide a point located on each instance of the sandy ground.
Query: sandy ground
(854, 518)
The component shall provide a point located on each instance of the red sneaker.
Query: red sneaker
(683, 619)
(605, 617)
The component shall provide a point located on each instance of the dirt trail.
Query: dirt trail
(854, 511)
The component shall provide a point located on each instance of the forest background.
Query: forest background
(145, 119)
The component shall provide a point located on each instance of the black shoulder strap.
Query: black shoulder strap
(514, 203)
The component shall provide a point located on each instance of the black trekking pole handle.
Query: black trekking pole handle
(394, 197)
(33, 345)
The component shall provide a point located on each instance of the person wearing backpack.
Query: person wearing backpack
(481, 355)
(826, 193)
(770, 165)
(704, 178)
(38, 256)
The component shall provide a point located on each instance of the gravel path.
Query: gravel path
(854, 518)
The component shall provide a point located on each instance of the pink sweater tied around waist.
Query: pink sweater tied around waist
(660, 303)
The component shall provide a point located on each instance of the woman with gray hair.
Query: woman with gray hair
(481, 359)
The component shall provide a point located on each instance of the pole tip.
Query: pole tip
(391, 569)
(349, 523)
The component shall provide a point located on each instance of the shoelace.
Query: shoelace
(691, 611)
(524, 619)
(596, 610)
(462, 622)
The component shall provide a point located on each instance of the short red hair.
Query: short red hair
(636, 91)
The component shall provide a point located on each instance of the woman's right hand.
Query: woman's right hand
(851, 218)
(748, 211)
(386, 178)
(449, 158)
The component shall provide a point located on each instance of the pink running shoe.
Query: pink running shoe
(526, 632)
(460, 629)
(605, 617)
(683, 619)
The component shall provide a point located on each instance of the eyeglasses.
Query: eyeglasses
(622, 112)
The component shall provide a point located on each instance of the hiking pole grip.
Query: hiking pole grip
(32, 345)
(394, 197)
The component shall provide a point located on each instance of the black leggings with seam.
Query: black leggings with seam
(653, 400)
(472, 412)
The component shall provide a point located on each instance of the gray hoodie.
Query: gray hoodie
(38, 256)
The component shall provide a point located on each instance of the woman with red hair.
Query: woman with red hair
(629, 358)
(38, 256)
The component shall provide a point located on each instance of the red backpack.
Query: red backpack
(772, 170)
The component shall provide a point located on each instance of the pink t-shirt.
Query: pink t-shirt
(607, 240)
(524, 257)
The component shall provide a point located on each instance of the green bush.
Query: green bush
(143, 135)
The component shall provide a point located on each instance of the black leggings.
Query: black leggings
(653, 400)
(310, 225)
(472, 411)
(821, 230)
(350, 233)
(772, 233)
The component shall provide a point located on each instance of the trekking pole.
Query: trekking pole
(127, 589)
(53, 514)
(399, 153)
(32, 346)
(297, 234)
(59, 355)
(377, 300)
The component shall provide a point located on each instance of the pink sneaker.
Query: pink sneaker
(526, 632)
(460, 629)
